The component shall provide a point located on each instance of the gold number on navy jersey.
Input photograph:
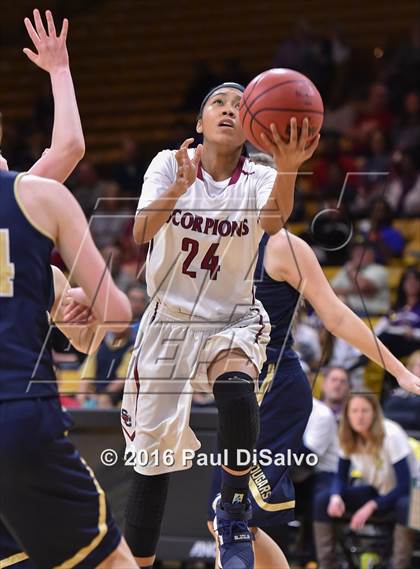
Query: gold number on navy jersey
(7, 269)
(210, 261)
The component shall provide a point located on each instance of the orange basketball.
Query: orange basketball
(276, 96)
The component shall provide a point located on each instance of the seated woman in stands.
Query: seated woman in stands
(380, 451)
(400, 331)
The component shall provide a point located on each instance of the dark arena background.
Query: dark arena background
(141, 69)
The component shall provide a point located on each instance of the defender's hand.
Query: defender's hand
(52, 50)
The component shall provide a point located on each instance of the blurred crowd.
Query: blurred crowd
(360, 211)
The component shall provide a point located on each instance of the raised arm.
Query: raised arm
(294, 261)
(53, 208)
(287, 157)
(67, 143)
(152, 217)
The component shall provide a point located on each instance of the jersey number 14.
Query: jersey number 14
(7, 269)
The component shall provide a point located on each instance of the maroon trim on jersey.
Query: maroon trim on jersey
(154, 313)
(235, 176)
(137, 381)
(136, 378)
(131, 437)
(258, 334)
(200, 172)
(238, 171)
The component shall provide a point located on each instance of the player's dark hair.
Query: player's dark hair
(227, 85)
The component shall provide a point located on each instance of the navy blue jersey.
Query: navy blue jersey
(279, 300)
(26, 297)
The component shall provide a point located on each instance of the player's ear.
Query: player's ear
(199, 126)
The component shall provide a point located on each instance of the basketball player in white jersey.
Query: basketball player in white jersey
(203, 212)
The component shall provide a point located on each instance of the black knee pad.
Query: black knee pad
(144, 513)
(238, 415)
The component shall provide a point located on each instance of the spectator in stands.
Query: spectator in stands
(340, 56)
(113, 257)
(403, 407)
(407, 130)
(335, 389)
(106, 370)
(133, 261)
(306, 52)
(306, 338)
(337, 353)
(380, 451)
(378, 159)
(363, 283)
(110, 217)
(403, 191)
(388, 241)
(139, 300)
(339, 116)
(129, 169)
(87, 187)
(320, 437)
(400, 331)
(374, 113)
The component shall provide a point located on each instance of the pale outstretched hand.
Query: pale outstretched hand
(77, 308)
(409, 382)
(288, 156)
(51, 50)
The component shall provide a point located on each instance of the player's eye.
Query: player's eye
(219, 101)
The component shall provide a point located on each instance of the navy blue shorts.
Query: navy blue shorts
(52, 509)
(284, 412)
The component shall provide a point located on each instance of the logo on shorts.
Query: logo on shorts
(237, 498)
(125, 417)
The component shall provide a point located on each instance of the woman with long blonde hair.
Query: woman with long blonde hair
(379, 450)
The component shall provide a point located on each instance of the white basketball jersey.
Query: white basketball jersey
(202, 261)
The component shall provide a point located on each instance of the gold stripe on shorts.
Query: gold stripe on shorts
(266, 505)
(13, 559)
(102, 529)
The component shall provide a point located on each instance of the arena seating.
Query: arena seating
(132, 67)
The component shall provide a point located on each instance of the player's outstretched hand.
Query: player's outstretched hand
(409, 382)
(288, 156)
(187, 167)
(77, 309)
(52, 50)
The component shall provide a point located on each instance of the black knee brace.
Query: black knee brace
(144, 513)
(238, 415)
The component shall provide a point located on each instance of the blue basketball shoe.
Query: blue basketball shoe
(233, 535)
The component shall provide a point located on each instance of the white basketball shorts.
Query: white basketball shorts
(169, 363)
